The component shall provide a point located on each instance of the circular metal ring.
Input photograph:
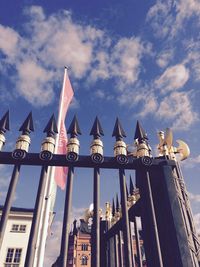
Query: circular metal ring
(45, 155)
(97, 158)
(19, 154)
(72, 156)
(122, 159)
(147, 161)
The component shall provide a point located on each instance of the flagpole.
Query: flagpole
(50, 195)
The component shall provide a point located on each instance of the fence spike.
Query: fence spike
(117, 203)
(118, 131)
(27, 125)
(127, 191)
(5, 123)
(131, 188)
(113, 208)
(96, 130)
(74, 128)
(51, 127)
(140, 133)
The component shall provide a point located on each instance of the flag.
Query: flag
(61, 139)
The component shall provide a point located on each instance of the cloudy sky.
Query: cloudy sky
(131, 59)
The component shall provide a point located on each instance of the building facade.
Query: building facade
(15, 241)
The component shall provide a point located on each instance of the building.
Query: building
(14, 245)
(79, 250)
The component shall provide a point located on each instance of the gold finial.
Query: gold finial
(108, 212)
(166, 148)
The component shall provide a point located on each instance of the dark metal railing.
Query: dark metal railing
(169, 235)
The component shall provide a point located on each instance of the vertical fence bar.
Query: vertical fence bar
(103, 245)
(178, 221)
(137, 240)
(36, 217)
(96, 221)
(8, 201)
(188, 210)
(116, 251)
(120, 249)
(184, 210)
(66, 219)
(149, 224)
(157, 243)
(132, 249)
(125, 220)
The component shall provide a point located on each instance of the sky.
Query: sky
(136, 60)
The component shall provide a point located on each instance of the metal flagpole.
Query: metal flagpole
(50, 194)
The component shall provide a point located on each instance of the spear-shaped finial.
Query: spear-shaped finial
(96, 130)
(23, 141)
(113, 208)
(141, 142)
(73, 144)
(51, 127)
(140, 134)
(118, 131)
(4, 123)
(131, 189)
(96, 148)
(48, 144)
(74, 129)
(27, 125)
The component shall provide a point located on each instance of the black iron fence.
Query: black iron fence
(168, 229)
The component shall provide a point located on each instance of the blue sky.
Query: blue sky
(132, 59)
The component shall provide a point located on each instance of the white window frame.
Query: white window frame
(18, 228)
(15, 258)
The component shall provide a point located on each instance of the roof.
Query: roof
(17, 209)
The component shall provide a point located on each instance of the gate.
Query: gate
(168, 229)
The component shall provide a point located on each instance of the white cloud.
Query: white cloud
(173, 78)
(177, 107)
(197, 222)
(53, 244)
(192, 162)
(33, 82)
(194, 197)
(8, 41)
(164, 57)
(192, 59)
(150, 105)
(159, 17)
(125, 59)
(51, 42)
(101, 68)
(168, 17)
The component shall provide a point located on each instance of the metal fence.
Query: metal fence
(168, 229)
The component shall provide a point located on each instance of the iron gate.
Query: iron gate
(168, 229)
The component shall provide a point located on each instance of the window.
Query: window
(13, 257)
(15, 228)
(84, 247)
(84, 260)
(21, 228)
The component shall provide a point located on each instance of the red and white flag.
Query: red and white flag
(61, 139)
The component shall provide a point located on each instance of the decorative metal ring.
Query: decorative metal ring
(147, 161)
(45, 155)
(122, 159)
(97, 158)
(72, 156)
(19, 154)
